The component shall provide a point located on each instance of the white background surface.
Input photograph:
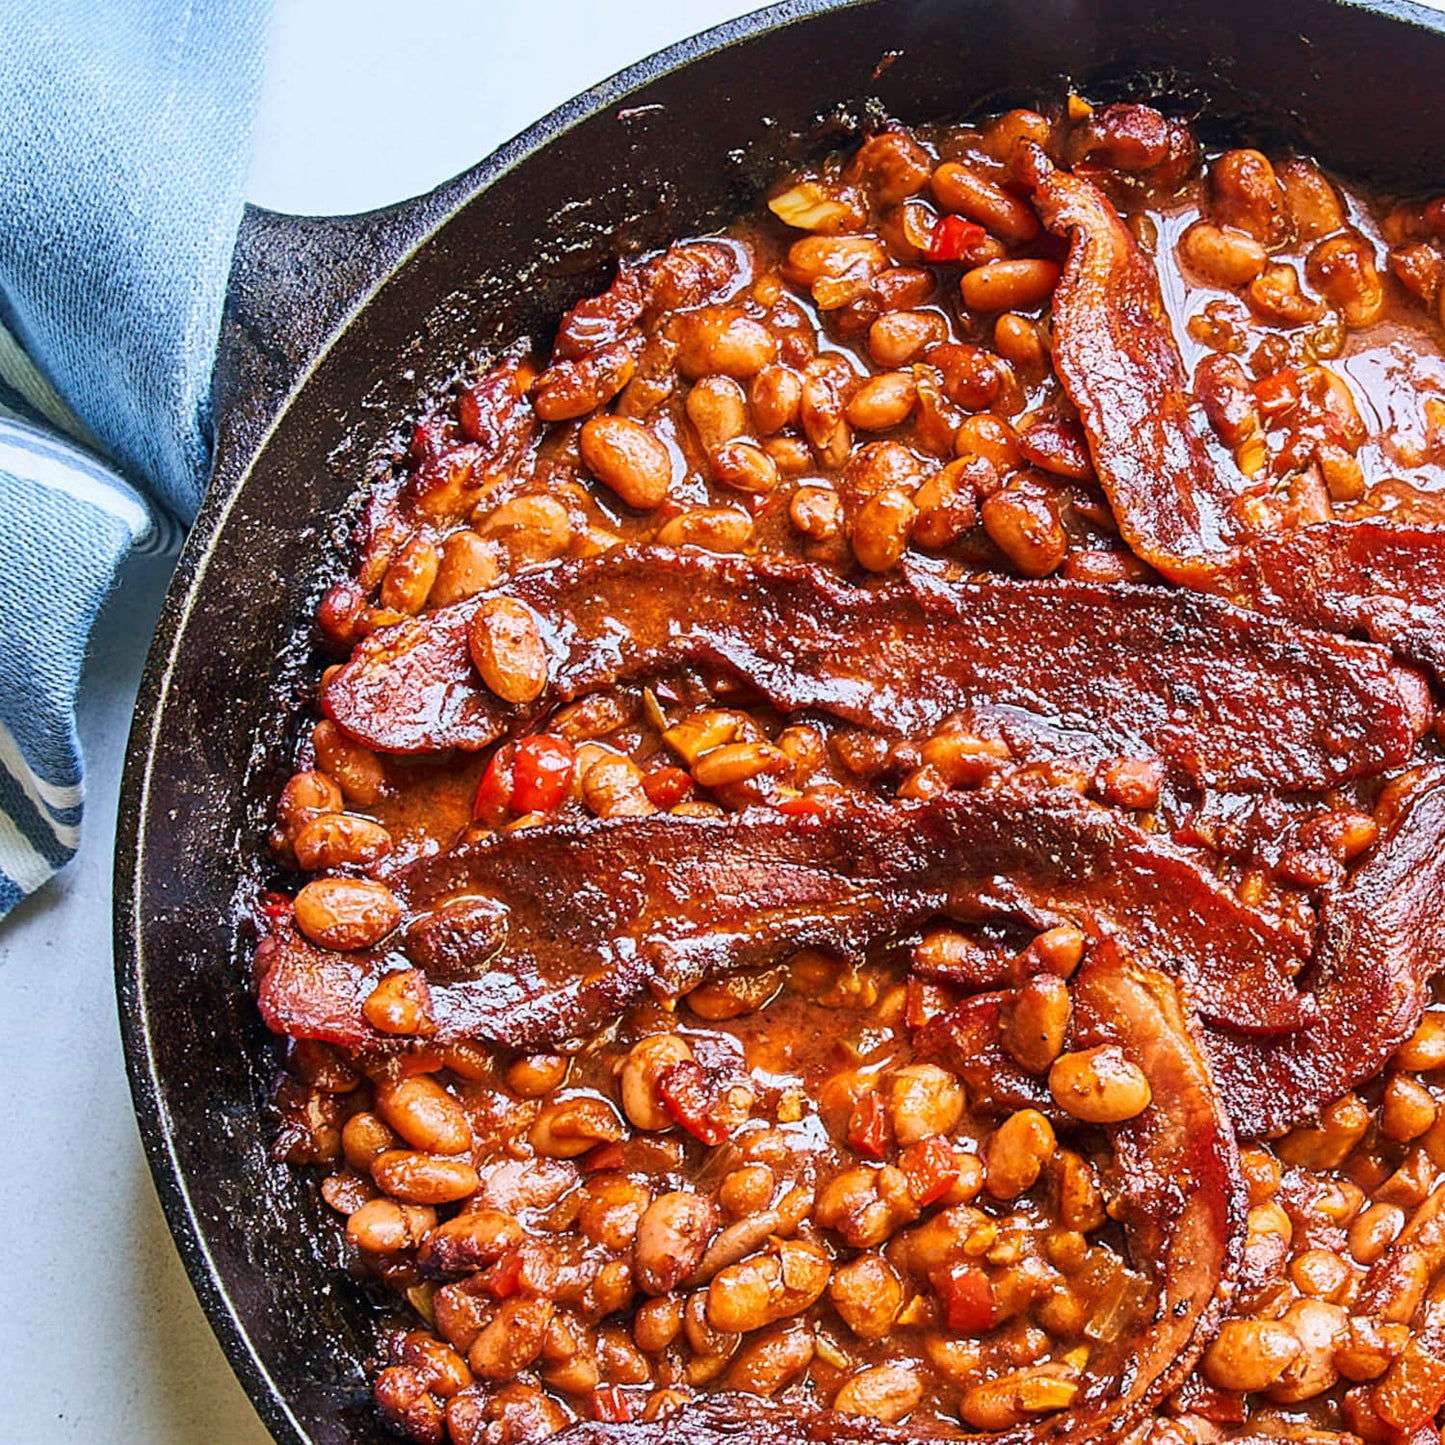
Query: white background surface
(101, 1340)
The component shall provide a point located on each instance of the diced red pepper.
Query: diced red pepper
(968, 1303)
(604, 1158)
(688, 1098)
(609, 1403)
(494, 793)
(953, 238)
(500, 1279)
(429, 439)
(541, 773)
(805, 805)
(931, 1168)
(275, 908)
(1278, 393)
(868, 1127)
(667, 787)
(924, 1001)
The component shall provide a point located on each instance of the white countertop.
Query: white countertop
(101, 1339)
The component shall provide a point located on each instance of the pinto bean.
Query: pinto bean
(816, 512)
(1100, 1086)
(671, 1238)
(964, 190)
(899, 337)
(882, 528)
(1023, 522)
(775, 397)
(612, 1207)
(1408, 1109)
(566, 1128)
(612, 787)
(1344, 270)
(868, 1293)
(881, 1392)
(948, 501)
(1009, 1400)
(534, 1075)
(417, 1178)
(629, 458)
(1318, 1326)
(882, 402)
(923, 1100)
(530, 528)
(765, 1365)
(1220, 255)
(507, 648)
(722, 340)
(382, 1226)
(743, 466)
(356, 769)
(1371, 1234)
(1009, 285)
(341, 840)
(468, 565)
(892, 165)
(865, 1206)
(644, 1066)
(305, 795)
(1312, 201)
(364, 1137)
(657, 1323)
(1015, 1153)
(424, 1114)
(346, 913)
(1035, 1021)
(1424, 1050)
(715, 529)
(513, 1340)
(409, 579)
(1021, 343)
(718, 410)
(1245, 193)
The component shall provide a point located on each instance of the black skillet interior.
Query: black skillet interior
(673, 146)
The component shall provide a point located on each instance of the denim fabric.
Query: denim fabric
(124, 142)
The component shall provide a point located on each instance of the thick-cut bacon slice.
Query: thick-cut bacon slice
(1117, 358)
(1182, 1205)
(1136, 670)
(1118, 361)
(1381, 939)
(543, 935)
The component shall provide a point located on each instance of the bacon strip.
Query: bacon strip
(1381, 939)
(1183, 1212)
(1138, 670)
(1116, 355)
(543, 935)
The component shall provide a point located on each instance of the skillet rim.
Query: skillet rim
(410, 225)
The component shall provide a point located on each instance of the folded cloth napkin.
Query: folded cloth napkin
(124, 141)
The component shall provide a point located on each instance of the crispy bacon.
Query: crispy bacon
(543, 935)
(1381, 939)
(1182, 1205)
(1119, 363)
(1131, 669)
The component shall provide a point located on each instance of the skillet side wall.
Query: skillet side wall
(674, 146)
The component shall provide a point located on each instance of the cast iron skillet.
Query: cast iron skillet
(334, 329)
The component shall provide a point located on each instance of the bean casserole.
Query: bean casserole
(869, 863)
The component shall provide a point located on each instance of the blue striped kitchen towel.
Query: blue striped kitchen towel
(124, 141)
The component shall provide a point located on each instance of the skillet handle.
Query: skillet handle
(295, 280)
